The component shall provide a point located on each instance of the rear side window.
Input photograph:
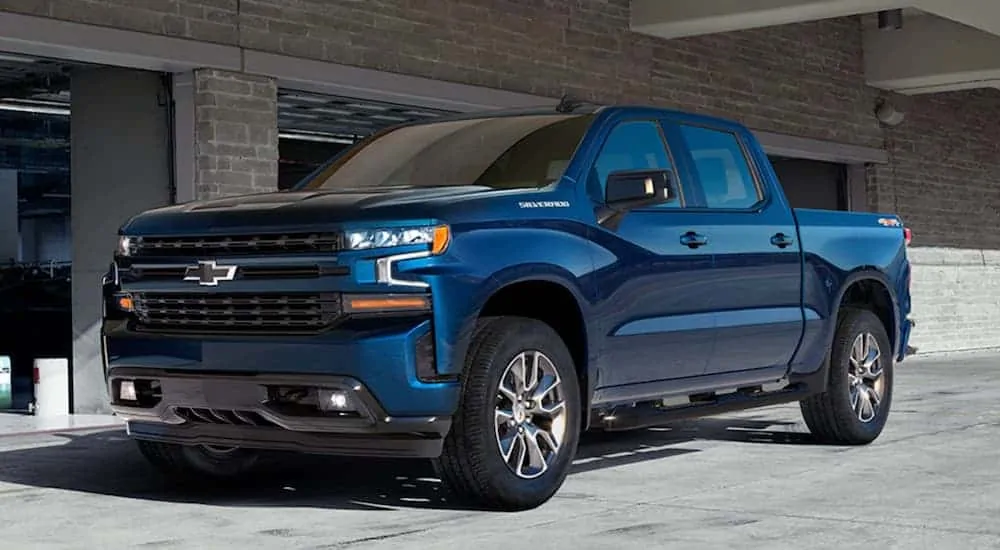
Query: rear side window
(723, 170)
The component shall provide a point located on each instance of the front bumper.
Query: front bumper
(238, 410)
(210, 385)
(383, 354)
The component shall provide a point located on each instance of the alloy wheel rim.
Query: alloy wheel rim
(530, 414)
(866, 377)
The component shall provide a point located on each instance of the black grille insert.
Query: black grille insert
(236, 313)
(221, 416)
(240, 245)
(175, 273)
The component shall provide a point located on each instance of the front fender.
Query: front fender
(481, 261)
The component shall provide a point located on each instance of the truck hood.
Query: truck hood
(306, 210)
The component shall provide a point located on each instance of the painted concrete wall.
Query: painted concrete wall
(956, 303)
(120, 166)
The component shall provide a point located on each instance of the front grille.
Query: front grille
(153, 272)
(221, 416)
(239, 245)
(236, 313)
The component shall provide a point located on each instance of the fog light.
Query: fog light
(126, 391)
(333, 400)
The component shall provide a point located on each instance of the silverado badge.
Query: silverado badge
(208, 273)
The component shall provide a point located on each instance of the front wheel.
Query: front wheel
(518, 422)
(199, 462)
(855, 406)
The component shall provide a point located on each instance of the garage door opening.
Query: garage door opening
(35, 235)
(812, 183)
(73, 138)
(315, 127)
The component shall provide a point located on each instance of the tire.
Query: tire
(832, 416)
(472, 467)
(198, 462)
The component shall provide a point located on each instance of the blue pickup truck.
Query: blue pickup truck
(479, 290)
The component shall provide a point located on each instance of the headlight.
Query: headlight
(124, 245)
(435, 236)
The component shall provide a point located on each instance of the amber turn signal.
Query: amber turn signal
(125, 302)
(379, 303)
(442, 237)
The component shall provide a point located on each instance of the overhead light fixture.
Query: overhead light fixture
(34, 109)
(320, 138)
(367, 106)
(18, 58)
(887, 113)
(304, 98)
(294, 114)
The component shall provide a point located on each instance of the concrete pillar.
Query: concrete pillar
(235, 134)
(10, 241)
(120, 166)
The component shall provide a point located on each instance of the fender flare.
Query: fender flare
(866, 273)
(510, 276)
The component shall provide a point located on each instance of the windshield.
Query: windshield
(499, 152)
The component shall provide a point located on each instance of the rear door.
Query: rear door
(756, 280)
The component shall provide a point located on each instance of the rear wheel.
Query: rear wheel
(855, 406)
(199, 461)
(518, 423)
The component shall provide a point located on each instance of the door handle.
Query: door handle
(693, 240)
(781, 240)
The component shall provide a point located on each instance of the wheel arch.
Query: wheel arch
(548, 296)
(869, 288)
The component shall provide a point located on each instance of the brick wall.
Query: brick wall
(944, 181)
(236, 134)
(945, 174)
(956, 299)
(207, 20)
(802, 79)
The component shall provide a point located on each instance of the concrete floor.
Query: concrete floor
(752, 480)
(21, 423)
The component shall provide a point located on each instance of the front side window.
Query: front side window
(498, 152)
(634, 145)
(725, 176)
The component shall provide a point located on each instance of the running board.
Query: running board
(662, 411)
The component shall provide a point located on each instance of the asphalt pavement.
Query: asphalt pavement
(750, 480)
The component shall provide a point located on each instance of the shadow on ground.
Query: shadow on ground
(107, 463)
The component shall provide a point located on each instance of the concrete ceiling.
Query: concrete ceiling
(944, 45)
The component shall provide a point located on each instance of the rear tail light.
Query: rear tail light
(907, 235)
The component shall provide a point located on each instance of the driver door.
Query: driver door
(655, 282)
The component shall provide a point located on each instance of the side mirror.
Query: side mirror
(634, 188)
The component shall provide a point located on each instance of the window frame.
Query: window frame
(674, 169)
(765, 197)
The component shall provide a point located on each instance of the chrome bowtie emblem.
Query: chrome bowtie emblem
(208, 273)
